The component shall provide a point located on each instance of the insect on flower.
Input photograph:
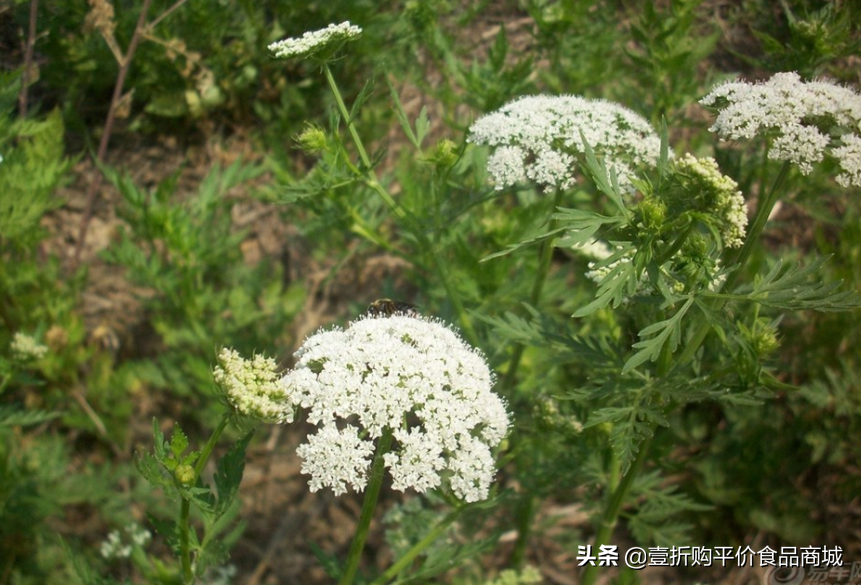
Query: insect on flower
(388, 307)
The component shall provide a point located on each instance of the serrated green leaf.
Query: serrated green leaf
(157, 475)
(178, 442)
(159, 444)
(167, 529)
(228, 473)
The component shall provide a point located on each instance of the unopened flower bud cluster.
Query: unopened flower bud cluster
(807, 120)
(539, 138)
(252, 387)
(702, 178)
(313, 42)
(413, 376)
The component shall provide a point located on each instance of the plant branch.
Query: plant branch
(402, 214)
(614, 506)
(108, 129)
(28, 59)
(416, 550)
(185, 507)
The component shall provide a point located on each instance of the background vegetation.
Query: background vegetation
(155, 206)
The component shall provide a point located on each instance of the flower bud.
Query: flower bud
(185, 474)
(311, 140)
(445, 154)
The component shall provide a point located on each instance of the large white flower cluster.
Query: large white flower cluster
(539, 137)
(807, 120)
(312, 42)
(413, 376)
(252, 386)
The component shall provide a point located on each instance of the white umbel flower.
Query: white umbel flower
(313, 42)
(251, 386)
(413, 376)
(807, 120)
(539, 138)
(25, 347)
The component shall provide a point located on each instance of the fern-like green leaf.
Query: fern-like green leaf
(16, 416)
(796, 288)
(668, 331)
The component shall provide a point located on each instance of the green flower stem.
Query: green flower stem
(411, 554)
(372, 492)
(523, 515)
(526, 505)
(210, 445)
(373, 182)
(614, 506)
(545, 257)
(184, 553)
(185, 507)
(763, 210)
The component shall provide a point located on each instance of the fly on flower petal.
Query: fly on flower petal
(388, 307)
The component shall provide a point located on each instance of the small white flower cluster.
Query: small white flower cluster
(592, 248)
(538, 138)
(312, 42)
(251, 386)
(602, 251)
(413, 376)
(225, 575)
(25, 347)
(114, 546)
(724, 199)
(808, 120)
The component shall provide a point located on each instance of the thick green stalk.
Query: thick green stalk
(614, 506)
(402, 214)
(184, 553)
(372, 492)
(620, 488)
(185, 507)
(545, 257)
(526, 505)
(411, 554)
